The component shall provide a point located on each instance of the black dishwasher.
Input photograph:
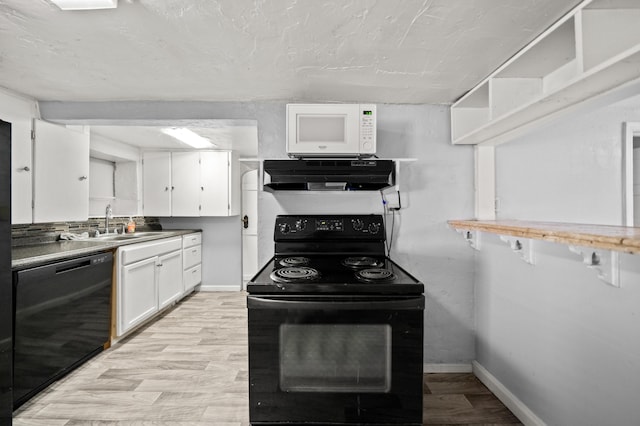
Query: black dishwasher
(62, 318)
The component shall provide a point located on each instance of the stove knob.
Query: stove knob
(358, 225)
(300, 225)
(284, 228)
(374, 228)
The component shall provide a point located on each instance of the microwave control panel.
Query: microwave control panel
(367, 128)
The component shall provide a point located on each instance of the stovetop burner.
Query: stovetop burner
(362, 262)
(291, 274)
(375, 275)
(294, 261)
(329, 255)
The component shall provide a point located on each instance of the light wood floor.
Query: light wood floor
(190, 368)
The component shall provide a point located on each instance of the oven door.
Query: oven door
(335, 360)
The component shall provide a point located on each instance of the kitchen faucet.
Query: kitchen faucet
(108, 214)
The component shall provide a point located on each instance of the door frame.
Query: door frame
(629, 130)
(244, 247)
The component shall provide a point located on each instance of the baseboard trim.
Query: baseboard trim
(517, 407)
(447, 368)
(220, 288)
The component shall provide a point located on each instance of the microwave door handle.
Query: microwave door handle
(256, 302)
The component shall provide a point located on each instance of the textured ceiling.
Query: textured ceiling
(383, 51)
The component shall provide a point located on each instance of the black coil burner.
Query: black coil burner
(375, 275)
(294, 274)
(294, 261)
(362, 262)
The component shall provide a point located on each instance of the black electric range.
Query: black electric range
(335, 327)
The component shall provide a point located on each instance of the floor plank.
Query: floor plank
(190, 368)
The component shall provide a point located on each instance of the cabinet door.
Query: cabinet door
(137, 294)
(61, 174)
(214, 170)
(21, 172)
(185, 178)
(170, 286)
(192, 277)
(156, 182)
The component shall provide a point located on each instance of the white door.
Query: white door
(156, 183)
(636, 181)
(61, 173)
(185, 181)
(137, 296)
(170, 286)
(214, 170)
(249, 218)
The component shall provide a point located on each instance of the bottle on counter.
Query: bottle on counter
(131, 226)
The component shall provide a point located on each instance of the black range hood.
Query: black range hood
(328, 175)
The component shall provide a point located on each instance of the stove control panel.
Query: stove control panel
(330, 225)
(327, 227)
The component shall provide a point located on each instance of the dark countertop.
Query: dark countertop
(37, 254)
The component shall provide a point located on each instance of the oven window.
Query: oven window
(335, 357)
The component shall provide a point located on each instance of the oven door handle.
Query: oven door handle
(257, 302)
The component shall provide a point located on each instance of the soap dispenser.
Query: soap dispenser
(131, 226)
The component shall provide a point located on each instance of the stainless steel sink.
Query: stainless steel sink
(124, 237)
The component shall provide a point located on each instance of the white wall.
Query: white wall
(437, 187)
(563, 342)
(221, 249)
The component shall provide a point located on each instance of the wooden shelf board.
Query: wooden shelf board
(618, 238)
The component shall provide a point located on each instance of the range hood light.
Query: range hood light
(188, 137)
(85, 4)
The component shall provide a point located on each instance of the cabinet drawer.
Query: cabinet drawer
(191, 240)
(192, 277)
(192, 256)
(136, 252)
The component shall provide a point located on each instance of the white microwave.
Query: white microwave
(331, 130)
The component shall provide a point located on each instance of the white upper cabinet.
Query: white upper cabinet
(185, 181)
(20, 111)
(21, 172)
(215, 184)
(156, 178)
(61, 173)
(594, 50)
(190, 183)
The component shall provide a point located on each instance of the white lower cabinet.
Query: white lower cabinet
(170, 286)
(149, 278)
(192, 260)
(138, 294)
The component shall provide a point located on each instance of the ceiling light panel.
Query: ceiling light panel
(188, 137)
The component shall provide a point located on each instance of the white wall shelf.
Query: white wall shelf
(591, 51)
